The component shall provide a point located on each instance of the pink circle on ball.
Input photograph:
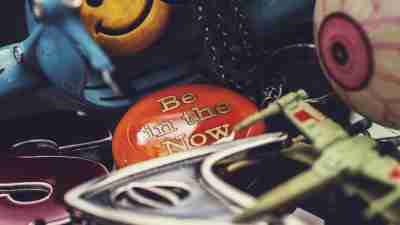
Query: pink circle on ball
(345, 51)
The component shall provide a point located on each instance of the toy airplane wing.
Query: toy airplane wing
(320, 129)
(375, 178)
(303, 153)
(378, 183)
(369, 195)
(285, 194)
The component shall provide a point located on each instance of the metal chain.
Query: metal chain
(244, 32)
(273, 91)
(231, 56)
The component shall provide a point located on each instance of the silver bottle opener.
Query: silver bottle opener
(181, 189)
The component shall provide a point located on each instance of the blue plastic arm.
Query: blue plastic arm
(93, 54)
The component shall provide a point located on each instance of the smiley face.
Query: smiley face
(125, 27)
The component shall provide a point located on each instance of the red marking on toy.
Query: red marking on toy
(304, 116)
(178, 119)
(395, 174)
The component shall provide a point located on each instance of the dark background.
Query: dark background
(12, 22)
(13, 29)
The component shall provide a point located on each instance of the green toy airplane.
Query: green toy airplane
(335, 156)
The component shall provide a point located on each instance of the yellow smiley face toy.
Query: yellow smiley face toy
(125, 27)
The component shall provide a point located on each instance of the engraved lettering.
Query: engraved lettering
(159, 130)
(169, 103)
(190, 118)
(175, 145)
(219, 132)
(183, 143)
(222, 108)
(198, 140)
(204, 114)
(188, 98)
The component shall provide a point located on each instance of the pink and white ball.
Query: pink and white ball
(359, 47)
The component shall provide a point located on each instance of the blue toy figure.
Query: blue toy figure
(157, 76)
(156, 67)
(59, 52)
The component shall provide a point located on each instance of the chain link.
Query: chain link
(231, 56)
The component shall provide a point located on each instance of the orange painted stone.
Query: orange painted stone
(178, 119)
(126, 27)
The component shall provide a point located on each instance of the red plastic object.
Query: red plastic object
(395, 174)
(32, 188)
(178, 119)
